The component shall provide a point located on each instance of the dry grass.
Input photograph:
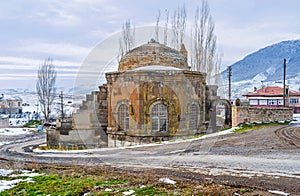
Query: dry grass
(70, 180)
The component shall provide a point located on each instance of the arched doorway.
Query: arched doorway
(221, 114)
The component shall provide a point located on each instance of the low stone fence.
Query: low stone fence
(242, 114)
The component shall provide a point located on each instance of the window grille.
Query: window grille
(159, 116)
(123, 117)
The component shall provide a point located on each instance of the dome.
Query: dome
(153, 53)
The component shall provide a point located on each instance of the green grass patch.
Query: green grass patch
(242, 191)
(55, 184)
(151, 190)
(33, 123)
(110, 183)
(255, 126)
(78, 181)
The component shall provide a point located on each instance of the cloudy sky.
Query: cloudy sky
(67, 31)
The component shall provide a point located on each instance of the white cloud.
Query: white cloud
(54, 49)
(31, 63)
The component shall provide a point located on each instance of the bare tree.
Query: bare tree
(166, 27)
(179, 26)
(126, 42)
(45, 86)
(157, 26)
(204, 54)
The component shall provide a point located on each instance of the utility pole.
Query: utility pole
(284, 74)
(229, 83)
(61, 96)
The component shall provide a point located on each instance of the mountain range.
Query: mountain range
(265, 67)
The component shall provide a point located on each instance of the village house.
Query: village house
(10, 104)
(266, 105)
(152, 97)
(272, 96)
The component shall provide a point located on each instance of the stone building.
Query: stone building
(153, 97)
(10, 104)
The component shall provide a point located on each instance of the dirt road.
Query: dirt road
(268, 158)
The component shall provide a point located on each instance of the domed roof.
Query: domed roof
(152, 53)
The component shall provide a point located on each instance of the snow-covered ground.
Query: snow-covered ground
(19, 177)
(31, 109)
(296, 119)
(15, 131)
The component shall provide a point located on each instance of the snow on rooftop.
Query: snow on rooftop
(10, 97)
(3, 116)
(156, 68)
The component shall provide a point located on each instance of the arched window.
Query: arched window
(159, 116)
(193, 117)
(123, 117)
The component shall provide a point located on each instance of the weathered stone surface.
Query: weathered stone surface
(161, 99)
(153, 53)
(242, 114)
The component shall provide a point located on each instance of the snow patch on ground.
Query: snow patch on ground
(296, 119)
(5, 172)
(225, 132)
(8, 184)
(259, 77)
(15, 131)
(167, 181)
(279, 192)
(130, 192)
(271, 70)
(4, 143)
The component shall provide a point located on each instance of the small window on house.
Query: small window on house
(253, 102)
(262, 102)
(272, 102)
(294, 100)
(159, 117)
(280, 101)
(123, 117)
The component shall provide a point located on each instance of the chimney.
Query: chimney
(255, 89)
(183, 51)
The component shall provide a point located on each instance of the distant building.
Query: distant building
(10, 104)
(272, 96)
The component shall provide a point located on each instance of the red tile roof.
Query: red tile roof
(271, 91)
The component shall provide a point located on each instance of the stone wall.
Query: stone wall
(141, 90)
(4, 122)
(242, 114)
(87, 127)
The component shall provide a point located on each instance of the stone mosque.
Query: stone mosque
(153, 97)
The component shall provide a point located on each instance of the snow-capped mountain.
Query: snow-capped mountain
(265, 67)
